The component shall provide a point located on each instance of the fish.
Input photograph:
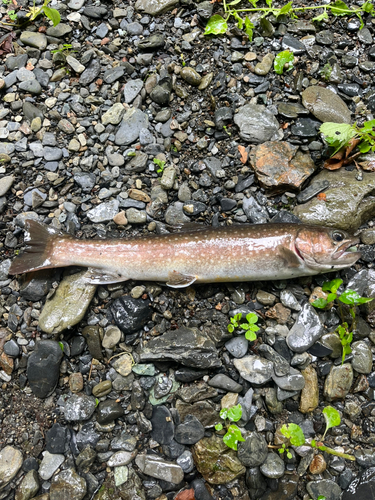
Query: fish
(246, 252)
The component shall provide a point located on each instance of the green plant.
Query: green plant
(326, 71)
(352, 299)
(283, 58)
(338, 135)
(64, 49)
(61, 346)
(160, 164)
(296, 437)
(233, 434)
(226, 130)
(217, 24)
(12, 15)
(250, 327)
(52, 14)
(182, 60)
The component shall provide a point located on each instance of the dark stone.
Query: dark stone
(130, 314)
(30, 463)
(319, 350)
(186, 346)
(305, 127)
(92, 336)
(173, 449)
(189, 375)
(200, 490)
(43, 367)
(190, 431)
(91, 72)
(55, 439)
(78, 345)
(244, 183)
(292, 44)
(284, 217)
(253, 451)
(311, 191)
(108, 411)
(11, 348)
(162, 425)
(227, 204)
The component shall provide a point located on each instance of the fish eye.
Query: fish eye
(338, 236)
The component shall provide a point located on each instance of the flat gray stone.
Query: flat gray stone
(257, 124)
(132, 123)
(255, 369)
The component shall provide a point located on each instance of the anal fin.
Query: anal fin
(290, 258)
(102, 277)
(179, 280)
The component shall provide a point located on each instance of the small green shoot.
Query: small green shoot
(52, 14)
(64, 49)
(297, 438)
(233, 434)
(6, 2)
(12, 15)
(226, 130)
(182, 60)
(250, 327)
(338, 135)
(286, 57)
(96, 401)
(160, 164)
(61, 346)
(350, 298)
(131, 153)
(326, 72)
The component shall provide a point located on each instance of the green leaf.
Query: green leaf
(251, 318)
(332, 418)
(350, 297)
(321, 17)
(237, 316)
(360, 19)
(286, 56)
(245, 326)
(249, 26)
(216, 25)
(219, 427)
(339, 8)
(331, 297)
(368, 126)
(224, 413)
(368, 7)
(269, 3)
(364, 300)
(235, 413)
(53, 15)
(250, 335)
(294, 433)
(235, 2)
(337, 134)
(320, 303)
(253, 3)
(61, 346)
(96, 401)
(313, 443)
(232, 437)
(364, 146)
(230, 328)
(286, 9)
(332, 286)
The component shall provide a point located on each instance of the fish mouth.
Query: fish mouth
(347, 252)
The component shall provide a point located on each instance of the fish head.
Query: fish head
(326, 249)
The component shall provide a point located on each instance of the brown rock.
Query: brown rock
(137, 194)
(202, 410)
(217, 463)
(339, 381)
(120, 219)
(76, 382)
(310, 393)
(318, 464)
(6, 363)
(280, 313)
(280, 166)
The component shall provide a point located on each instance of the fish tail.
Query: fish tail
(38, 254)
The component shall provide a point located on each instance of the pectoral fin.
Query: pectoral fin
(290, 258)
(103, 277)
(179, 280)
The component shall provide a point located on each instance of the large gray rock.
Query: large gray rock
(253, 451)
(255, 369)
(68, 305)
(132, 123)
(159, 468)
(338, 382)
(186, 346)
(68, 484)
(10, 464)
(155, 7)
(348, 202)
(257, 124)
(325, 105)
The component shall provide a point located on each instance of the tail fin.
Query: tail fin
(39, 240)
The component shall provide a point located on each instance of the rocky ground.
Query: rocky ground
(113, 391)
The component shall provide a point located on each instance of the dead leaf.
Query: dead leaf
(243, 154)
(6, 43)
(322, 196)
(352, 144)
(29, 66)
(369, 166)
